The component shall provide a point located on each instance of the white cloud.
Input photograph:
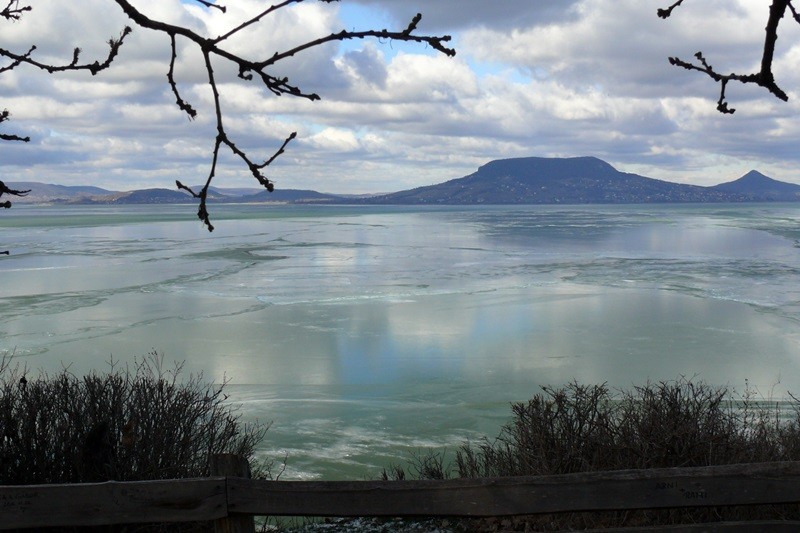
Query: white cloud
(335, 140)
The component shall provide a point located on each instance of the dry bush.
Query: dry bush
(128, 424)
(580, 428)
(559, 431)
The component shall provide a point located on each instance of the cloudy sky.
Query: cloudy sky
(531, 78)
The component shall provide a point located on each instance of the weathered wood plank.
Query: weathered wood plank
(228, 464)
(205, 499)
(595, 491)
(112, 502)
(762, 526)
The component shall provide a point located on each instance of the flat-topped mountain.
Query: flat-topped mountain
(539, 180)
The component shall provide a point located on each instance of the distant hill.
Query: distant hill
(755, 186)
(215, 195)
(62, 194)
(47, 192)
(148, 196)
(293, 196)
(231, 191)
(526, 180)
(538, 180)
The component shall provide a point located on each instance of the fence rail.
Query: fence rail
(224, 497)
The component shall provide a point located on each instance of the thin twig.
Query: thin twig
(255, 19)
(183, 105)
(210, 4)
(665, 13)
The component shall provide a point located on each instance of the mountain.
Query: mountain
(147, 196)
(526, 180)
(215, 195)
(48, 192)
(230, 191)
(538, 180)
(291, 196)
(168, 196)
(755, 186)
(61, 194)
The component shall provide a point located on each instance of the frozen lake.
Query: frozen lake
(366, 333)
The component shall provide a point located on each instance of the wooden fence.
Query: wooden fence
(234, 500)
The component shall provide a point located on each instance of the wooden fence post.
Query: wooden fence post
(228, 464)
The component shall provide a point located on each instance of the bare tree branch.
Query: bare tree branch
(222, 138)
(764, 77)
(13, 11)
(11, 137)
(5, 190)
(94, 67)
(665, 13)
(405, 35)
(255, 19)
(795, 14)
(4, 116)
(211, 4)
(171, 79)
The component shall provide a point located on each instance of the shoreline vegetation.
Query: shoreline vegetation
(146, 421)
(585, 428)
(150, 421)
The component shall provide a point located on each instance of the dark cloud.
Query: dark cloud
(369, 65)
(451, 15)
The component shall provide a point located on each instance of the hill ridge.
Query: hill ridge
(521, 180)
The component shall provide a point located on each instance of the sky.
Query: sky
(530, 78)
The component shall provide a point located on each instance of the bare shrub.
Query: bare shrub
(579, 428)
(561, 430)
(128, 424)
